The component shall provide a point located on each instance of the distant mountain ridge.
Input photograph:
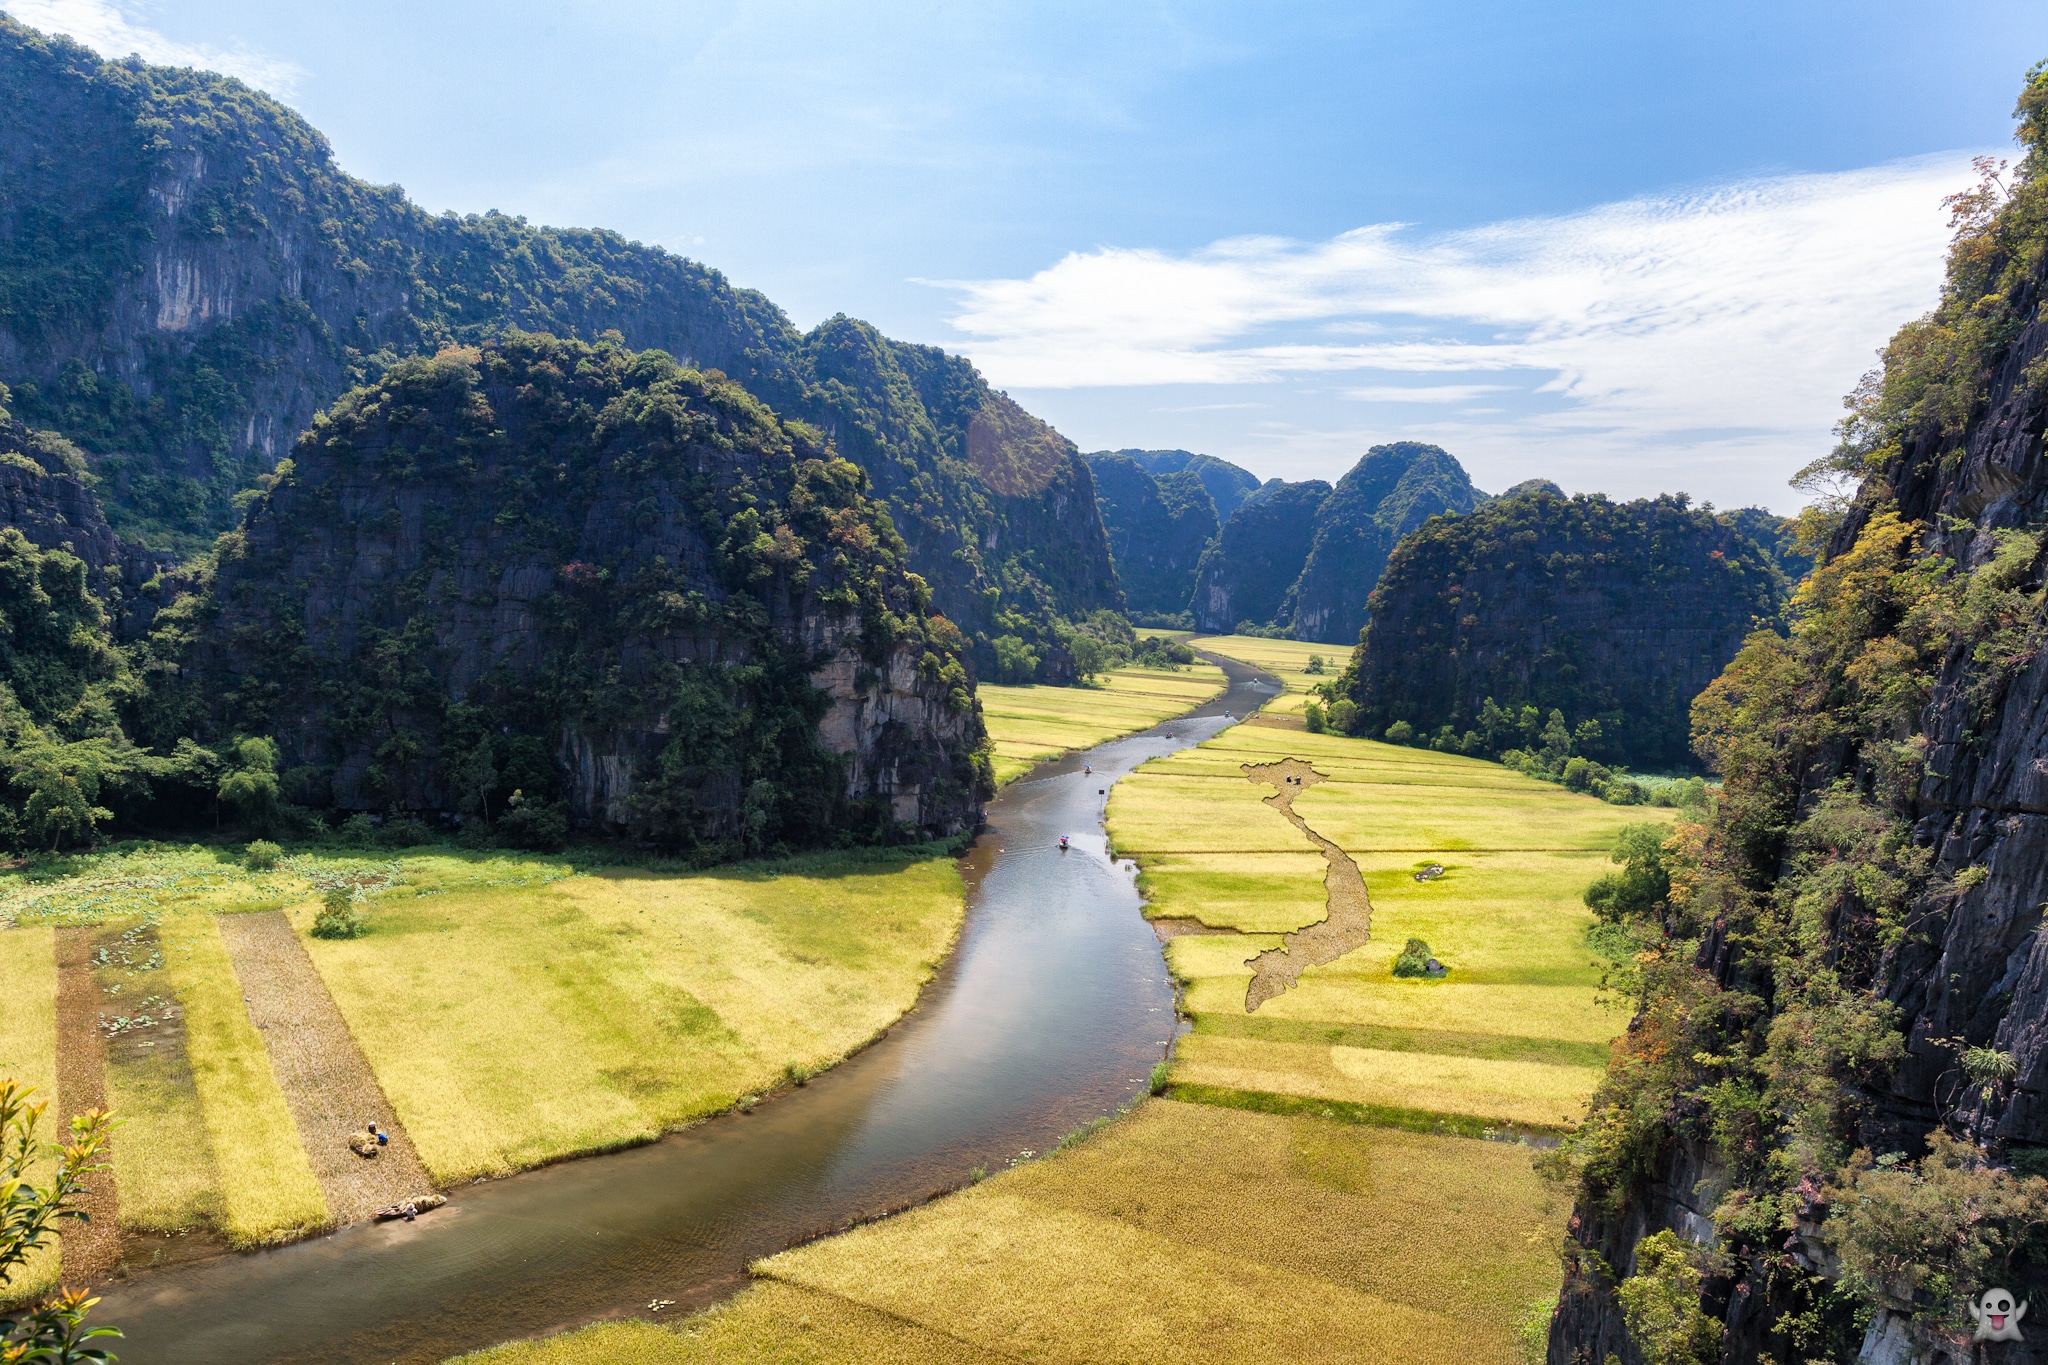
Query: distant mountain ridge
(186, 278)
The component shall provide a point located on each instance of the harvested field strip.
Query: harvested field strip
(28, 1055)
(1400, 1117)
(268, 1193)
(1348, 919)
(1500, 1047)
(1507, 1091)
(325, 1079)
(92, 1246)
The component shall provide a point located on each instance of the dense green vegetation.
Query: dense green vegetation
(1543, 629)
(189, 278)
(1157, 528)
(1246, 575)
(1797, 1023)
(566, 539)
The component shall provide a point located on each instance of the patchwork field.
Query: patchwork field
(1318, 1184)
(1287, 660)
(1184, 1233)
(1515, 1033)
(1032, 724)
(514, 1010)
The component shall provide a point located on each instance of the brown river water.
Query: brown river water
(1052, 1009)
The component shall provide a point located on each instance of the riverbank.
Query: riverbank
(1338, 1170)
(500, 1013)
(1029, 725)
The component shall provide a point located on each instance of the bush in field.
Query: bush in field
(1400, 732)
(341, 914)
(539, 825)
(1312, 716)
(262, 855)
(1415, 959)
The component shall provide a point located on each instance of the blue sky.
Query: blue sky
(1631, 247)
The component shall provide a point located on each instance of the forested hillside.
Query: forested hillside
(1825, 1130)
(186, 277)
(1229, 487)
(1158, 528)
(1300, 558)
(1614, 615)
(592, 576)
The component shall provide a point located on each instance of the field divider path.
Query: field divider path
(90, 1249)
(1348, 923)
(326, 1079)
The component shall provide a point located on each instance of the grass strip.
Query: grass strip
(28, 1054)
(1348, 1111)
(1386, 1038)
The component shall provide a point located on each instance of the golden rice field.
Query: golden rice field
(1031, 724)
(28, 1054)
(1183, 1234)
(514, 1009)
(1287, 660)
(1515, 1034)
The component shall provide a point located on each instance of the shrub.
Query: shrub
(1344, 716)
(1415, 959)
(1661, 1304)
(341, 914)
(538, 825)
(262, 854)
(403, 832)
(359, 829)
(1312, 716)
(1400, 732)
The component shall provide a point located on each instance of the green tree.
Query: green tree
(1661, 1305)
(1015, 661)
(250, 785)
(52, 1332)
(1643, 885)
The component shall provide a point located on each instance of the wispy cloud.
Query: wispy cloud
(1723, 321)
(116, 30)
(1432, 393)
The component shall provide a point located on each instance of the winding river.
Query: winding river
(1052, 1009)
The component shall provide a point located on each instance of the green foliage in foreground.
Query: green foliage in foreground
(52, 1332)
(1807, 870)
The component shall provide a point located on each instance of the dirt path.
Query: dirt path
(326, 1079)
(1349, 921)
(90, 1249)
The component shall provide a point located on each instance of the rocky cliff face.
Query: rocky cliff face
(186, 278)
(633, 569)
(1158, 528)
(1247, 573)
(1387, 494)
(1615, 613)
(1858, 944)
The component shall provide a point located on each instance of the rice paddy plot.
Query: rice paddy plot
(28, 1056)
(1033, 723)
(512, 1026)
(1182, 1233)
(1502, 907)
(1287, 660)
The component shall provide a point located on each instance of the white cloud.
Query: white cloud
(113, 29)
(1727, 323)
(1434, 393)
